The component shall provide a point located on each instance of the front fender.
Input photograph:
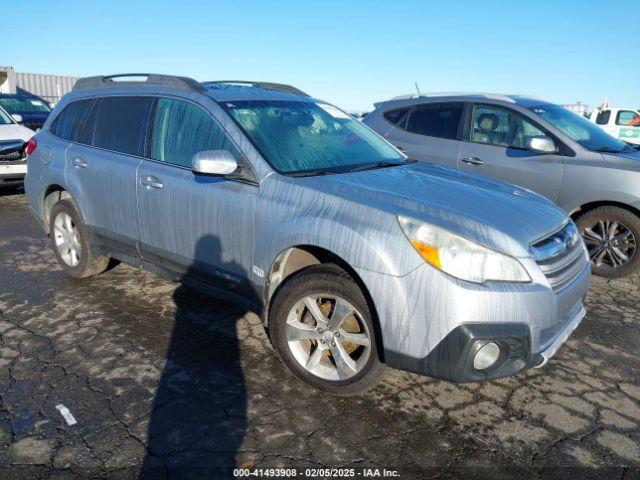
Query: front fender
(382, 250)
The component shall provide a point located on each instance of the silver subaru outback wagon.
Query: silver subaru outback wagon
(353, 255)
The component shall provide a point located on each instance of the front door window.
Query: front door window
(501, 127)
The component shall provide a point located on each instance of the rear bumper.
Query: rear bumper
(12, 172)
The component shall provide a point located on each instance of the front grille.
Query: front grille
(561, 256)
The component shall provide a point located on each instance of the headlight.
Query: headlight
(459, 257)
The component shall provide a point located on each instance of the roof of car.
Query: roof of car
(218, 90)
(411, 99)
(230, 91)
(18, 95)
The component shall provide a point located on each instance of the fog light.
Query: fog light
(486, 356)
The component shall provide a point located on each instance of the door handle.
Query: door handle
(79, 163)
(150, 181)
(473, 161)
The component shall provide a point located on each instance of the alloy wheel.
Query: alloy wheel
(610, 243)
(67, 239)
(328, 336)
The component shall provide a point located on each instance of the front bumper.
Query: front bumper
(452, 359)
(433, 324)
(562, 337)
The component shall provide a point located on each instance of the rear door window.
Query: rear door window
(68, 124)
(120, 124)
(436, 120)
(397, 116)
(182, 129)
(603, 117)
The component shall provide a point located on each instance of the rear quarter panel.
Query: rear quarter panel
(45, 167)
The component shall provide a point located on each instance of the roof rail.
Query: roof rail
(268, 85)
(494, 96)
(138, 80)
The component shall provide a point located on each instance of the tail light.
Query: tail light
(32, 144)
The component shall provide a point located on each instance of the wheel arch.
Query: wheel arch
(294, 259)
(52, 194)
(588, 207)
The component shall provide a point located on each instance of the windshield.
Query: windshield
(579, 129)
(4, 118)
(23, 105)
(311, 138)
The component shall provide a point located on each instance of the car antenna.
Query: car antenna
(417, 89)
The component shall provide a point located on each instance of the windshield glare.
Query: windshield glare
(580, 129)
(23, 105)
(299, 137)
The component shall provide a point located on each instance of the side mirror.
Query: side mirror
(541, 144)
(214, 162)
(17, 117)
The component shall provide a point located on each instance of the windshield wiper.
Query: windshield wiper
(606, 150)
(315, 173)
(371, 166)
(308, 173)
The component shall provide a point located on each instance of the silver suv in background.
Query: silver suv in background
(535, 144)
(353, 255)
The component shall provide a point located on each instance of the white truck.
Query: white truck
(622, 123)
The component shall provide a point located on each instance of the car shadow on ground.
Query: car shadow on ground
(198, 418)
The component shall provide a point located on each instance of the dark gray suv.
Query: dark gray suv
(538, 145)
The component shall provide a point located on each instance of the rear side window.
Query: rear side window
(396, 116)
(436, 120)
(119, 124)
(603, 117)
(69, 122)
(181, 129)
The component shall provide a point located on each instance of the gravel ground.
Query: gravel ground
(166, 383)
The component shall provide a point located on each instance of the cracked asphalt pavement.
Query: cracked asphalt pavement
(167, 383)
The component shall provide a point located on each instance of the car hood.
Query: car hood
(499, 215)
(13, 131)
(630, 155)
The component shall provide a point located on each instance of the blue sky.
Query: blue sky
(352, 53)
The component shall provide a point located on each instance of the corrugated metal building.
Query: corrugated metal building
(49, 87)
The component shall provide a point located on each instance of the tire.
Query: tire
(624, 226)
(332, 291)
(73, 252)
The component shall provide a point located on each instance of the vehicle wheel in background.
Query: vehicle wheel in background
(70, 242)
(321, 326)
(611, 235)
